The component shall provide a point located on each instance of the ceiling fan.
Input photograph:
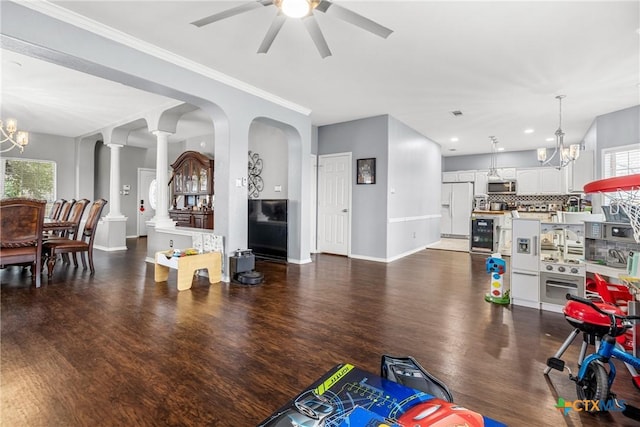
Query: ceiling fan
(302, 9)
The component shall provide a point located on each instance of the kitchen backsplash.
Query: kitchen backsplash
(513, 199)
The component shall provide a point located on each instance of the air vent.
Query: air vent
(457, 113)
(453, 149)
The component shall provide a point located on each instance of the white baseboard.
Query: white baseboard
(115, 248)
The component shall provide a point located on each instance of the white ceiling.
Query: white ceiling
(500, 63)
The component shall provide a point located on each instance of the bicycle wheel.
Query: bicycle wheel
(595, 385)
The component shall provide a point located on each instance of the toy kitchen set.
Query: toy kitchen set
(549, 260)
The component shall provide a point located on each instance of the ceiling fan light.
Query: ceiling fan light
(295, 8)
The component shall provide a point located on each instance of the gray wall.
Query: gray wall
(509, 159)
(272, 146)
(131, 158)
(400, 213)
(616, 129)
(363, 138)
(56, 148)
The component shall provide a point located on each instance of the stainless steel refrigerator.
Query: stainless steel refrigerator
(457, 204)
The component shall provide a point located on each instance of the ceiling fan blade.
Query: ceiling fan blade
(272, 32)
(316, 35)
(231, 12)
(353, 18)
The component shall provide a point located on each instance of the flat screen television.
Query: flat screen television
(268, 228)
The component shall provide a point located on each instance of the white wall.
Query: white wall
(414, 190)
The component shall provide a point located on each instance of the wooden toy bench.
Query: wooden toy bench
(187, 266)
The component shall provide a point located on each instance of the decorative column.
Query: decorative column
(111, 235)
(114, 188)
(161, 218)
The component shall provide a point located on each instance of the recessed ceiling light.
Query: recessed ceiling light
(454, 139)
(528, 131)
(500, 148)
(549, 139)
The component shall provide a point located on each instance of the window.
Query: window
(621, 161)
(28, 178)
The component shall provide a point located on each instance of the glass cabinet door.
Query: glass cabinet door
(203, 180)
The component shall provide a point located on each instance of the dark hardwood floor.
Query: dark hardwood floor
(118, 349)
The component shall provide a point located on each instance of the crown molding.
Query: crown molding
(80, 21)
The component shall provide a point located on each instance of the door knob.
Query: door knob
(345, 210)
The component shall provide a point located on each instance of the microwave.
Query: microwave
(501, 187)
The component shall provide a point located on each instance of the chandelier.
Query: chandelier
(493, 171)
(12, 135)
(566, 155)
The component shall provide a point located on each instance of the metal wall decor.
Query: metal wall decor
(256, 184)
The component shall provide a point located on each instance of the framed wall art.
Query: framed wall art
(366, 171)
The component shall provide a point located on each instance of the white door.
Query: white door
(314, 202)
(145, 211)
(334, 203)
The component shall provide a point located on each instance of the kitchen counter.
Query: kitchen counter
(490, 212)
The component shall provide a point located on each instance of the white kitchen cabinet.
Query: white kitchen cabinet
(527, 181)
(552, 181)
(507, 173)
(480, 183)
(458, 176)
(466, 176)
(580, 172)
(450, 177)
(540, 181)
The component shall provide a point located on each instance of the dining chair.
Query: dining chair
(62, 215)
(75, 216)
(52, 248)
(65, 210)
(55, 208)
(21, 222)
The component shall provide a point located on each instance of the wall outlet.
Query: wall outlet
(278, 188)
(244, 181)
(170, 243)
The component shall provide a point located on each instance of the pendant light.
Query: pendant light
(493, 174)
(566, 155)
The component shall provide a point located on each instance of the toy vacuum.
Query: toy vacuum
(496, 266)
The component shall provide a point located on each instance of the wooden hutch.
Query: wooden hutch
(192, 190)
